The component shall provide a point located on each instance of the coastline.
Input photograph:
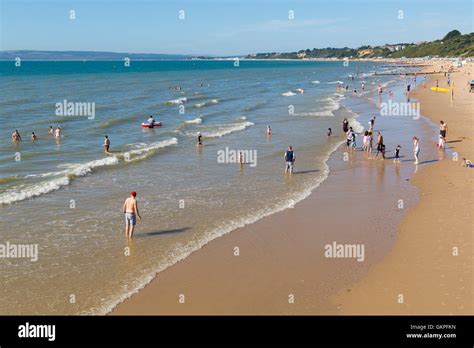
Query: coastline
(282, 256)
(430, 265)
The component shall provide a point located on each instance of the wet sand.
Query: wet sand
(431, 264)
(283, 254)
(281, 266)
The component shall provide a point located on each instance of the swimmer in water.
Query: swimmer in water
(33, 136)
(329, 132)
(397, 154)
(269, 130)
(57, 132)
(290, 160)
(106, 144)
(16, 135)
(199, 139)
(51, 130)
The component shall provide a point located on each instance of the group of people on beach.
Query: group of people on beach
(367, 141)
(56, 132)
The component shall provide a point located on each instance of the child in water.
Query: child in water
(397, 154)
(329, 132)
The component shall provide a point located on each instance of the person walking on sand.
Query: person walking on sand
(443, 129)
(289, 159)
(397, 154)
(130, 209)
(416, 149)
(106, 144)
(380, 146)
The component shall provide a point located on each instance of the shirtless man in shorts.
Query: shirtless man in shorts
(130, 209)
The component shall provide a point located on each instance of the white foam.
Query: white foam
(288, 94)
(335, 82)
(23, 192)
(177, 101)
(210, 102)
(197, 120)
(333, 104)
(300, 90)
(20, 193)
(329, 105)
(221, 130)
(145, 149)
(326, 113)
(315, 81)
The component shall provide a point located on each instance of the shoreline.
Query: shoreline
(429, 271)
(229, 288)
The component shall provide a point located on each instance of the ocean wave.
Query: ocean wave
(356, 126)
(196, 120)
(208, 103)
(315, 81)
(327, 106)
(180, 100)
(326, 113)
(332, 104)
(23, 192)
(75, 170)
(9, 179)
(288, 94)
(116, 120)
(218, 131)
(335, 82)
(141, 151)
(253, 107)
(299, 90)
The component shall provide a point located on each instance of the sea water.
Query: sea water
(65, 195)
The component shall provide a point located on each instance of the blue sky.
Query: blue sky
(224, 27)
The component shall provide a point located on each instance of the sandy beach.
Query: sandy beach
(278, 266)
(431, 263)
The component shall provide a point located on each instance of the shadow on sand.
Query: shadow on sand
(159, 233)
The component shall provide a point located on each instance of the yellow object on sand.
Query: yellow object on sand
(439, 89)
